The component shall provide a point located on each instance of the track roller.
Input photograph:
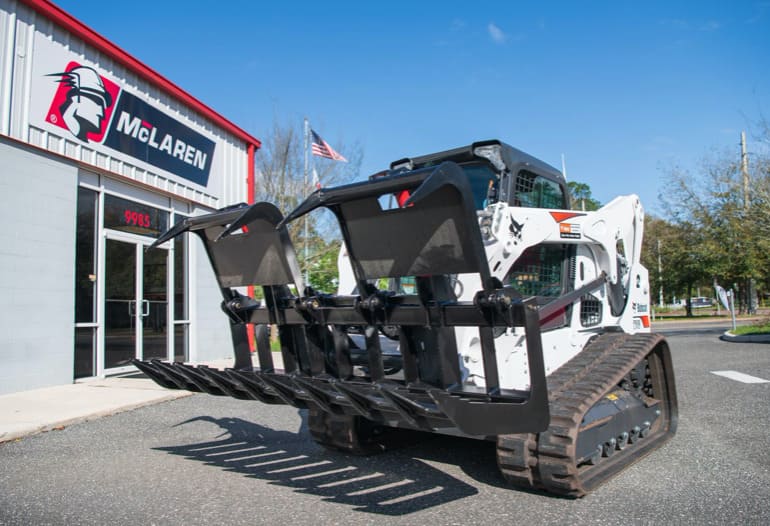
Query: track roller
(604, 417)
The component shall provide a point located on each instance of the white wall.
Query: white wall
(38, 200)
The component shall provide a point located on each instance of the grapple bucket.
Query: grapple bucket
(334, 357)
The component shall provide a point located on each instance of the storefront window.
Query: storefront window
(85, 257)
(180, 277)
(85, 346)
(135, 218)
(85, 283)
(181, 315)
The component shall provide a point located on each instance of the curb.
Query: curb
(727, 336)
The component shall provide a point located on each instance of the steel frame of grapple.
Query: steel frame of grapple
(432, 236)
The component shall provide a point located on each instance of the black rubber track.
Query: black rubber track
(546, 461)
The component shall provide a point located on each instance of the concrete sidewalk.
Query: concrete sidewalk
(39, 410)
(29, 412)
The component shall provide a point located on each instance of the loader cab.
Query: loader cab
(500, 172)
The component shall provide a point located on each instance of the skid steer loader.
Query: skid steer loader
(506, 317)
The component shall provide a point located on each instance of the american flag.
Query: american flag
(322, 149)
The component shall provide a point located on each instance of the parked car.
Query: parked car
(701, 302)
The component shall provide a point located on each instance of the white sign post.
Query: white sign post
(732, 306)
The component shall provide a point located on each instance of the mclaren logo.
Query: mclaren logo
(83, 102)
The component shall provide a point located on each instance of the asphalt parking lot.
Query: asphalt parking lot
(203, 459)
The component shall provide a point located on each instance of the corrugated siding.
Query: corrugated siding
(22, 28)
(7, 36)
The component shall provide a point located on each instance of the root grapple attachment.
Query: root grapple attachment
(334, 358)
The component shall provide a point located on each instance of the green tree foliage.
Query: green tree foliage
(281, 180)
(581, 197)
(677, 256)
(323, 268)
(718, 223)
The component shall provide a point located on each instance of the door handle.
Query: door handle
(145, 308)
(131, 307)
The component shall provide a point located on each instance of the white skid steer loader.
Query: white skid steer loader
(506, 317)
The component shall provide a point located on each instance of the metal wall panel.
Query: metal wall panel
(7, 39)
(37, 269)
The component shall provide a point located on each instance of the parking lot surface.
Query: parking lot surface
(205, 459)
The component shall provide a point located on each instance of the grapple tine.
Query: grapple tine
(318, 396)
(409, 410)
(158, 376)
(250, 383)
(173, 371)
(225, 383)
(286, 392)
(360, 403)
(196, 376)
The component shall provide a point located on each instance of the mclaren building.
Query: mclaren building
(100, 154)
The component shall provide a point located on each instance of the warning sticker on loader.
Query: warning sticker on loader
(569, 230)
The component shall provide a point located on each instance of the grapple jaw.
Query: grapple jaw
(334, 357)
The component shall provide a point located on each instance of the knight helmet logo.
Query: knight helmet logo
(83, 103)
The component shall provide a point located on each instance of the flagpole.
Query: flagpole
(304, 190)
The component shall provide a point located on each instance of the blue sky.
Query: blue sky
(623, 89)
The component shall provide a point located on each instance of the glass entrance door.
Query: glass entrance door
(135, 303)
(154, 341)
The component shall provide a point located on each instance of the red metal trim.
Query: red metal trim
(92, 38)
(250, 184)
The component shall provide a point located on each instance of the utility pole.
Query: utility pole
(660, 279)
(746, 204)
(745, 172)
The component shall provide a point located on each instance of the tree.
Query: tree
(281, 180)
(658, 234)
(723, 225)
(683, 255)
(581, 197)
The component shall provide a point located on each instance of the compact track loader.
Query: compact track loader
(471, 302)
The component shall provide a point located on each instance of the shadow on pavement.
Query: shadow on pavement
(393, 483)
